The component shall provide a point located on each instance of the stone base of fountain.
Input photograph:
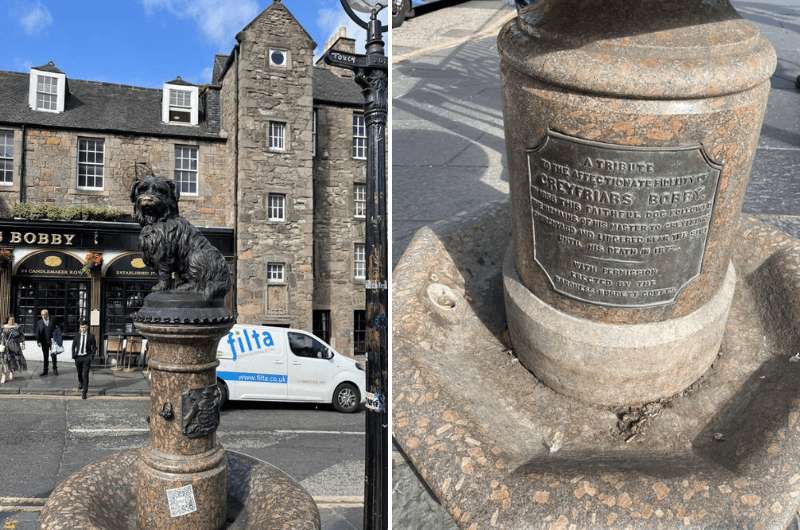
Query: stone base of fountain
(102, 496)
(501, 449)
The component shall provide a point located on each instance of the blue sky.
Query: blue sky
(142, 42)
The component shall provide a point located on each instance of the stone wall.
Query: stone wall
(11, 194)
(336, 229)
(280, 93)
(52, 169)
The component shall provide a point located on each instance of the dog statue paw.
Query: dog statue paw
(176, 250)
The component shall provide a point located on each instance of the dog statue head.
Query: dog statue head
(154, 199)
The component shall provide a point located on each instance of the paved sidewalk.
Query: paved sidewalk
(102, 382)
(449, 145)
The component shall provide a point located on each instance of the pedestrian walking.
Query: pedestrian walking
(84, 348)
(12, 342)
(44, 338)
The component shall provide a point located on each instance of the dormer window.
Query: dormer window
(180, 103)
(47, 88)
(46, 92)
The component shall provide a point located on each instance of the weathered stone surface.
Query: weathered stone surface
(259, 496)
(275, 93)
(183, 357)
(336, 228)
(613, 364)
(625, 189)
(501, 449)
(180, 479)
(52, 168)
(701, 80)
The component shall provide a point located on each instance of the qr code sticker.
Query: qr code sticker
(181, 501)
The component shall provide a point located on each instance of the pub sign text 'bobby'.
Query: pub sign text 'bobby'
(12, 237)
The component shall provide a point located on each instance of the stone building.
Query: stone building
(269, 158)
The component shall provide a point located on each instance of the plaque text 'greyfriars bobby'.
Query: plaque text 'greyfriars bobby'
(616, 225)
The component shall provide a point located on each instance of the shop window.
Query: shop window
(123, 299)
(186, 169)
(359, 261)
(67, 301)
(322, 324)
(359, 137)
(360, 200)
(6, 157)
(91, 163)
(276, 207)
(360, 332)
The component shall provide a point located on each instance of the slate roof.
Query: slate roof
(49, 67)
(94, 106)
(180, 81)
(113, 108)
(219, 65)
(330, 88)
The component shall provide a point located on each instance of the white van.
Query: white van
(264, 363)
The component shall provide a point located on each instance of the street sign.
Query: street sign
(353, 61)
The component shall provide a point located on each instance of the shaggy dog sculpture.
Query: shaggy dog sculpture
(181, 256)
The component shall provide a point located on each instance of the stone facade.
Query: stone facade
(336, 227)
(275, 94)
(51, 172)
(238, 170)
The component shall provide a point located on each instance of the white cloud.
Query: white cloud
(330, 20)
(218, 20)
(34, 18)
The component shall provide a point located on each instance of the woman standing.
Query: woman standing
(11, 344)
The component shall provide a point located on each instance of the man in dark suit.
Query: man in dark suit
(84, 347)
(44, 337)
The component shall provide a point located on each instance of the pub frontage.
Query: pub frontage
(80, 270)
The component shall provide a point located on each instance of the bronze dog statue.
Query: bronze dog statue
(181, 256)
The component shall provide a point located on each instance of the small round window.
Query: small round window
(277, 57)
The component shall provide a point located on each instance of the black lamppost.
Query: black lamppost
(371, 74)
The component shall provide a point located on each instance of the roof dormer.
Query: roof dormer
(180, 103)
(47, 88)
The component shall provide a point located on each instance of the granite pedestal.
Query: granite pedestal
(500, 449)
(182, 479)
(630, 128)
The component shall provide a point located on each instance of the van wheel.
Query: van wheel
(346, 398)
(223, 391)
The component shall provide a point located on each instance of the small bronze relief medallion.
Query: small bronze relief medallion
(200, 407)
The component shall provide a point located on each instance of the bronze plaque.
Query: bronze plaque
(200, 409)
(620, 226)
